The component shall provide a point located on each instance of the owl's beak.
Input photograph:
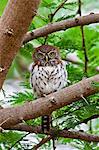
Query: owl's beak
(46, 59)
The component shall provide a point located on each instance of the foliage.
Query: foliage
(68, 41)
(9, 138)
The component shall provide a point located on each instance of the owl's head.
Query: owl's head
(46, 55)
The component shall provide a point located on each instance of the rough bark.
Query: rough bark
(79, 135)
(58, 133)
(62, 25)
(46, 105)
(14, 24)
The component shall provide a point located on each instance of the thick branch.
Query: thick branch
(14, 24)
(58, 133)
(57, 26)
(46, 105)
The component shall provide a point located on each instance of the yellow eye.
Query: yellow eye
(52, 55)
(39, 55)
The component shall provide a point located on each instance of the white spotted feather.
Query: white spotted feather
(47, 79)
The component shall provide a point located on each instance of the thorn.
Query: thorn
(23, 121)
(84, 99)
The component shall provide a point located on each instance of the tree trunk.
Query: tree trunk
(14, 24)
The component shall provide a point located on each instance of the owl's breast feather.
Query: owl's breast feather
(48, 79)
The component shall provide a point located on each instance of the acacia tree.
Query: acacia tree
(77, 102)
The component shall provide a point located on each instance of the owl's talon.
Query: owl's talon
(68, 81)
(44, 95)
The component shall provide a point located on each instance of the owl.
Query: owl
(48, 72)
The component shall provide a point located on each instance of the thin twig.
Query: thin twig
(3, 91)
(4, 121)
(58, 8)
(18, 141)
(53, 140)
(84, 99)
(85, 51)
(43, 141)
(90, 118)
(52, 16)
(83, 41)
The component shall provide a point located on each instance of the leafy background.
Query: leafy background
(69, 41)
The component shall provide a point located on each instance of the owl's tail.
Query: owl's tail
(46, 123)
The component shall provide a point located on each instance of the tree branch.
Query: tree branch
(79, 135)
(51, 16)
(14, 24)
(58, 8)
(83, 41)
(37, 129)
(43, 141)
(57, 26)
(90, 118)
(31, 110)
(58, 133)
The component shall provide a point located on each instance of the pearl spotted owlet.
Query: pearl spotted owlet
(48, 72)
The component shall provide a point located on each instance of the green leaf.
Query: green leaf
(2, 5)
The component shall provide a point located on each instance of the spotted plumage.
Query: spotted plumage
(48, 71)
(50, 76)
(48, 79)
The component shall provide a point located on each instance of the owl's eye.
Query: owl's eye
(39, 55)
(52, 55)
